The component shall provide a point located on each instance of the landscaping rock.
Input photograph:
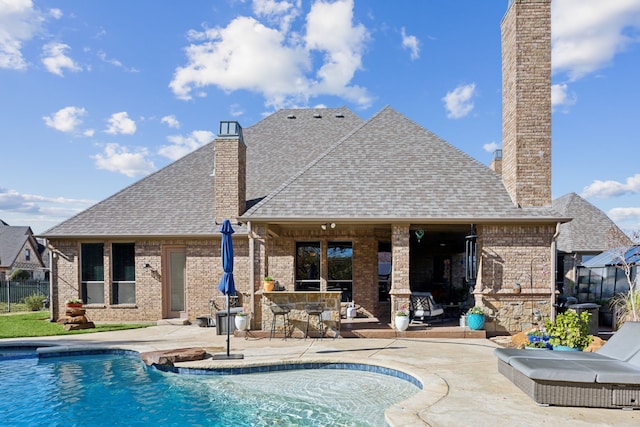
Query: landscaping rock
(169, 357)
(595, 344)
(77, 326)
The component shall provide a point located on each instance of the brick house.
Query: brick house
(318, 197)
(19, 249)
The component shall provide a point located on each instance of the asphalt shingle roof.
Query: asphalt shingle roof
(12, 240)
(392, 168)
(591, 230)
(324, 163)
(178, 200)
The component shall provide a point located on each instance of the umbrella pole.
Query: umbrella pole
(222, 356)
(228, 322)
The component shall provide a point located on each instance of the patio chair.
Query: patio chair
(422, 306)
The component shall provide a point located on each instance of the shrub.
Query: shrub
(20, 275)
(34, 302)
(570, 329)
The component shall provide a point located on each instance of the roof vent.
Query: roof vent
(340, 115)
(317, 116)
(291, 116)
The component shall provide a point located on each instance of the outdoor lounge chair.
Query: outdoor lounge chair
(422, 306)
(607, 378)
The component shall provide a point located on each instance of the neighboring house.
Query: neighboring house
(19, 249)
(590, 233)
(318, 197)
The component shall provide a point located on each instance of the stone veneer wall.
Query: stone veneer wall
(526, 102)
(203, 273)
(513, 254)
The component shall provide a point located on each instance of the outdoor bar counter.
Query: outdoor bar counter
(297, 301)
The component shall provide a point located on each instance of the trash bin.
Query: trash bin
(591, 308)
(221, 321)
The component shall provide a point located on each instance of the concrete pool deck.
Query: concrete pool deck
(462, 385)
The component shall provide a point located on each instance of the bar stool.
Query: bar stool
(279, 310)
(314, 310)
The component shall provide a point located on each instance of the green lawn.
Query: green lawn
(37, 324)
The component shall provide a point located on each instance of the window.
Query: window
(92, 273)
(123, 286)
(307, 266)
(27, 255)
(339, 262)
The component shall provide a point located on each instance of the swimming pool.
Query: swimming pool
(118, 389)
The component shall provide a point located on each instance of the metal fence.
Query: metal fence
(13, 292)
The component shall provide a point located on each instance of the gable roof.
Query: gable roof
(591, 230)
(391, 168)
(178, 200)
(12, 240)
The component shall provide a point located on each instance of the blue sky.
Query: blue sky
(94, 95)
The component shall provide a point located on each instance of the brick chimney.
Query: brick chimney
(230, 170)
(526, 102)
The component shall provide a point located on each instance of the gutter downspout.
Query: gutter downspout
(554, 266)
(252, 255)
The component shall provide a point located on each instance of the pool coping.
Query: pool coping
(432, 388)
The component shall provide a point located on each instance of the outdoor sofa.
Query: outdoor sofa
(607, 378)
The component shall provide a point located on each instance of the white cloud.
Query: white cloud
(587, 34)
(607, 189)
(55, 13)
(120, 123)
(277, 12)
(330, 30)
(411, 43)
(19, 22)
(491, 147)
(13, 201)
(229, 57)
(170, 121)
(66, 119)
(458, 102)
(115, 62)
(627, 219)
(55, 59)
(182, 145)
(116, 158)
(236, 110)
(560, 96)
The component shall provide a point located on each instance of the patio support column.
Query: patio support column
(400, 287)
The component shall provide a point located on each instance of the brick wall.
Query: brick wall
(203, 273)
(230, 178)
(511, 254)
(526, 102)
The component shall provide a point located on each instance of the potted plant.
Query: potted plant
(475, 318)
(241, 320)
(537, 339)
(538, 345)
(570, 331)
(269, 283)
(74, 303)
(402, 318)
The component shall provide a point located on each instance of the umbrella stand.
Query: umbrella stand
(227, 356)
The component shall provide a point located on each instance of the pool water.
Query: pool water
(116, 390)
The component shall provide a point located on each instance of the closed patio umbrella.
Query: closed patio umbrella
(227, 285)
